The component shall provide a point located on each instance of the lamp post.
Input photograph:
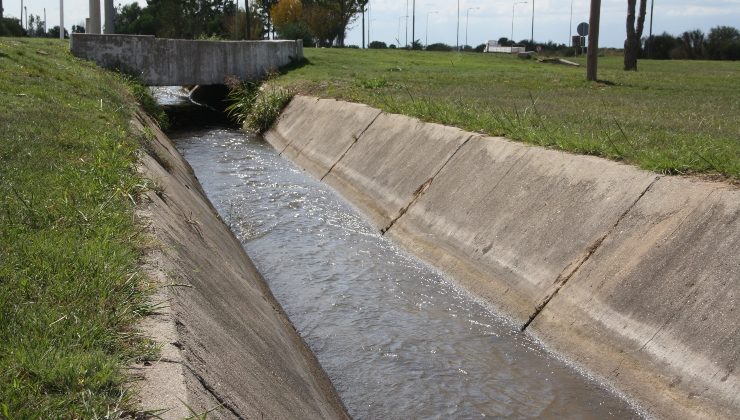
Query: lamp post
(413, 23)
(407, 23)
(61, 19)
(650, 44)
(426, 36)
(467, 18)
(570, 27)
(398, 39)
(531, 39)
(513, 6)
(457, 33)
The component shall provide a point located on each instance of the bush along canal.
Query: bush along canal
(397, 339)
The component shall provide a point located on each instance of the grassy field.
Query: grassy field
(70, 290)
(671, 117)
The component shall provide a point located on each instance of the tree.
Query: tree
(321, 21)
(286, 12)
(634, 33)
(78, 29)
(660, 46)
(54, 32)
(692, 43)
(132, 19)
(265, 7)
(724, 43)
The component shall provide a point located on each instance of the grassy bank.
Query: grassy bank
(670, 117)
(70, 292)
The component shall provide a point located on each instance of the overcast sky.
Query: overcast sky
(491, 20)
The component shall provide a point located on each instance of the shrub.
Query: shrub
(377, 45)
(11, 27)
(257, 106)
(439, 47)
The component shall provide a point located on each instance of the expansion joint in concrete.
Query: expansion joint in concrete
(423, 188)
(357, 138)
(568, 274)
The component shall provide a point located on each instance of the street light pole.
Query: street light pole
(61, 19)
(457, 33)
(426, 37)
(399, 30)
(512, 19)
(467, 18)
(650, 44)
(413, 23)
(531, 39)
(369, 40)
(407, 23)
(570, 27)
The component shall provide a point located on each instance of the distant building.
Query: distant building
(494, 47)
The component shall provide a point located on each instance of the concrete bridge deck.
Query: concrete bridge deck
(178, 62)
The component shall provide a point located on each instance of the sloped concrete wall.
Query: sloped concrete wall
(632, 275)
(179, 62)
(240, 354)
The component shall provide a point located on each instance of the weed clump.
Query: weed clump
(257, 105)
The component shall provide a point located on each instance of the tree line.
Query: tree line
(317, 22)
(722, 43)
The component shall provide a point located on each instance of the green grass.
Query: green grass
(672, 117)
(70, 287)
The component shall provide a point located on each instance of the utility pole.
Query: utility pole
(109, 13)
(236, 19)
(407, 23)
(249, 20)
(457, 34)
(650, 43)
(413, 24)
(61, 19)
(363, 26)
(44, 21)
(1, 9)
(531, 39)
(570, 26)
(593, 41)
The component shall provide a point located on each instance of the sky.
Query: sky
(486, 19)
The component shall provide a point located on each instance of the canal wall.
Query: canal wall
(632, 275)
(227, 345)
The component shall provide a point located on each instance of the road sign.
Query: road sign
(583, 29)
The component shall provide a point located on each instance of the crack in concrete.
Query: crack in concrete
(563, 278)
(205, 386)
(357, 138)
(424, 187)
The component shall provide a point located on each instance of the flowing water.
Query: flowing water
(397, 339)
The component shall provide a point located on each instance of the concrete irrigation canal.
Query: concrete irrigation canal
(426, 293)
(395, 337)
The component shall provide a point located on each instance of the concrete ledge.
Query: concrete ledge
(238, 351)
(178, 62)
(632, 276)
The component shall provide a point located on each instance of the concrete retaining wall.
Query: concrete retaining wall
(239, 353)
(178, 62)
(631, 275)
